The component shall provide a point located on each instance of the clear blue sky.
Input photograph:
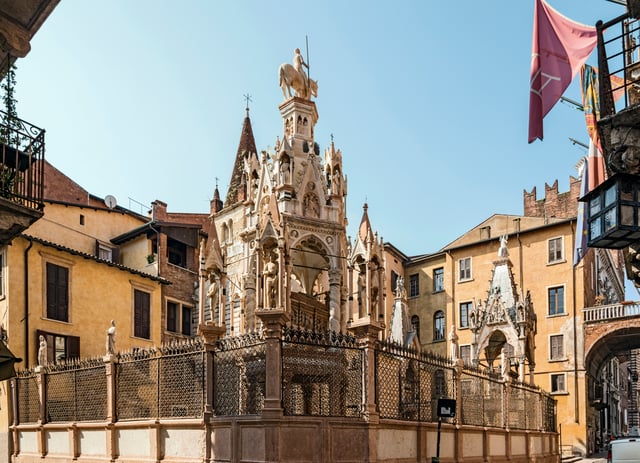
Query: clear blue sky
(428, 101)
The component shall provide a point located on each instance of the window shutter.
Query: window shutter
(186, 321)
(115, 255)
(141, 314)
(97, 249)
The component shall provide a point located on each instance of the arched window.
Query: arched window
(225, 233)
(438, 326)
(415, 324)
(230, 231)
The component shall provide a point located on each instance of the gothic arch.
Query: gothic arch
(310, 259)
(491, 342)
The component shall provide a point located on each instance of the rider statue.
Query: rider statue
(299, 65)
(293, 76)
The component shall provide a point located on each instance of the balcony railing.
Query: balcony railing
(21, 162)
(611, 312)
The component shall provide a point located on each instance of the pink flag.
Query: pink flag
(560, 47)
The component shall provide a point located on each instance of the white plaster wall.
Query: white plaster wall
(92, 442)
(472, 445)
(395, 443)
(134, 442)
(186, 443)
(518, 445)
(28, 441)
(57, 442)
(497, 445)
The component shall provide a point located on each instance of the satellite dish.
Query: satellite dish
(110, 201)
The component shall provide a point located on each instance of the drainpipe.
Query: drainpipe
(26, 303)
(576, 405)
(453, 292)
(520, 260)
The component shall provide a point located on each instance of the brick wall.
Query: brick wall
(554, 204)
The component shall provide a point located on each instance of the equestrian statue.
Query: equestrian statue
(295, 76)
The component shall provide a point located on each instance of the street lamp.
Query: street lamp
(612, 212)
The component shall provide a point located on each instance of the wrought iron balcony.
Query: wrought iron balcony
(619, 64)
(21, 175)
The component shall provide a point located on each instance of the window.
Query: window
(394, 281)
(179, 318)
(464, 269)
(465, 310)
(556, 347)
(104, 253)
(57, 292)
(172, 316)
(556, 300)
(415, 324)
(59, 347)
(438, 280)
(556, 251)
(438, 326)
(465, 354)
(177, 253)
(558, 383)
(414, 285)
(141, 314)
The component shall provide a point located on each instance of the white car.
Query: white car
(625, 450)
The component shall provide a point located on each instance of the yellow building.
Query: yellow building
(88, 262)
(507, 297)
(63, 279)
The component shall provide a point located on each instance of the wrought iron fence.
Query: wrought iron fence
(408, 384)
(166, 382)
(76, 391)
(321, 373)
(525, 406)
(28, 397)
(483, 403)
(239, 375)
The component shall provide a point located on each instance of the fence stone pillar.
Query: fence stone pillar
(210, 333)
(367, 330)
(15, 418)
(42, 409)
(110, 362)
(273, 322)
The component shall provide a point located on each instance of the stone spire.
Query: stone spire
(246, 149)
(365, 232)
(216, 202)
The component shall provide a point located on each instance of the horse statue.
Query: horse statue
(290, 77)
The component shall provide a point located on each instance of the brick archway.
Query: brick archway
(605, 338)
